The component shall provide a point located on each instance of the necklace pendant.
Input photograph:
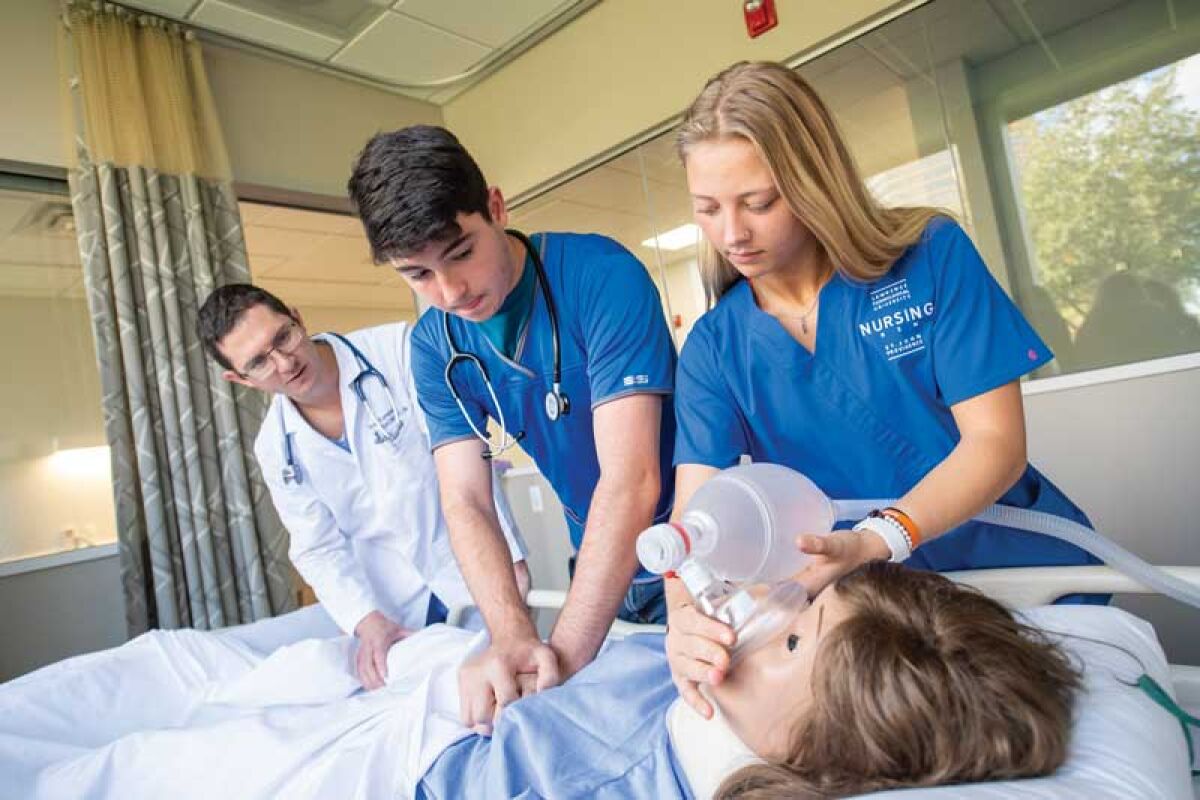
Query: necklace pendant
(804, 326)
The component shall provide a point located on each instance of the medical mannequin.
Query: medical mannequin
(558, 339)
(949, 652)
(292, 726)
(869, 348)
(345, 455)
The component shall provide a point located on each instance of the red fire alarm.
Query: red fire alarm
(760, 16)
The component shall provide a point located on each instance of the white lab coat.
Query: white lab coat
(366, 526)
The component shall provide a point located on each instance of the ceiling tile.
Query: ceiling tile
(402, 49)
(628, 229)
(336, 19)
(172, 8)
(854, 81)
(490, 23)
(661, 161)
(607, 188)
(254, 213)
(879, 130)
(263, 265)
(268, 241)
(305, 221)
(333, 294)
(25, 280)
(57, 250)
(13, 208)
(245, 24)
(335, 258)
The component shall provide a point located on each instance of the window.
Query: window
(1107, 188)
(1064, 136)
(639, 199)
(55, 480)
(320, 263)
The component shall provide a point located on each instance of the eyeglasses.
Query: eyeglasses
(286, 341)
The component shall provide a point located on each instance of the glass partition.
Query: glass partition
(319, 262)
(1065, 137)
(1105, 188)
(55, 479)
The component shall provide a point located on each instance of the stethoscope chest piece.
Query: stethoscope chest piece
(291, 474)
(557, 405)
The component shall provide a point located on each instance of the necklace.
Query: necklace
(803, 317)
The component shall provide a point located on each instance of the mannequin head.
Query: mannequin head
(895, 677)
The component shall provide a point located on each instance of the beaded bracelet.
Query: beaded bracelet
(910, 527)
(892, 533)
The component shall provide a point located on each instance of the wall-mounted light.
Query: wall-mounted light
(81, 462)
(675, 239)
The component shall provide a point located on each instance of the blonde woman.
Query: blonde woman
(867, 347)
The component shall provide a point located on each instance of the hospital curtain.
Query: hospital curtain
(158, 229)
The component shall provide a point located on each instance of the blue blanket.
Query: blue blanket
(603, 734)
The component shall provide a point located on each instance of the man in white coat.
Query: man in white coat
(345, 454)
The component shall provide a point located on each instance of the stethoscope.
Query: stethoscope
(366, 371)
(557, 403)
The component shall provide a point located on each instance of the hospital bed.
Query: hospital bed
(1124, 746)
(1023, 588)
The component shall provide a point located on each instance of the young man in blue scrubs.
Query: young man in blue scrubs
(561, 339)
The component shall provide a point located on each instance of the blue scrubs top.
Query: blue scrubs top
(615, 343)
(868, 414)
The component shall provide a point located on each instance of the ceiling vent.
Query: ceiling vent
(47, 218)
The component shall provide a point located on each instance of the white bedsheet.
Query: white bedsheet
(250, 726)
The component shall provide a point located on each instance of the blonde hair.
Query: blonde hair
(926, 683)
(785, 120)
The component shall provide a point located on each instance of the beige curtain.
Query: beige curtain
(159, 229)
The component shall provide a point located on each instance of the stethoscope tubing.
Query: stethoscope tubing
(291, 472)
(557, 402)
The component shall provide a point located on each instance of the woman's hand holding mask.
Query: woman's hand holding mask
(697, 652)
(837, 554)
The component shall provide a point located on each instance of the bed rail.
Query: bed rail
(1017, 587)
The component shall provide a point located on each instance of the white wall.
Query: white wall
(1128, 453)
(53, 402)
(43, 500)
(31, 128)
(618, 70)
(293, 128)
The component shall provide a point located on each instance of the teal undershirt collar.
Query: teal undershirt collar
(503, 328)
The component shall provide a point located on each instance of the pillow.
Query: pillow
(1123, 745)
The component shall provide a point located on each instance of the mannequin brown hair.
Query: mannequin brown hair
(927, 683)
